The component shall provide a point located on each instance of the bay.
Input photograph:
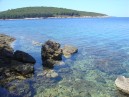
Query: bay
(103, 45)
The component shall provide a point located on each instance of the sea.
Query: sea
(103, 55)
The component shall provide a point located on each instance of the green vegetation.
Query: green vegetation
(37, 12)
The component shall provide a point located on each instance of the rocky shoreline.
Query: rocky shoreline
(20, 65)
(60, 17)
(13, 65)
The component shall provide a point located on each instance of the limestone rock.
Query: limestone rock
(68, 50)
(18, 65)
(122, 84)
(50, 73)
(50, 53)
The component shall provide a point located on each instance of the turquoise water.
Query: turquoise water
(103, 45)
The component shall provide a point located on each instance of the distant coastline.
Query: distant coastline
(46, 12)
(65, 17)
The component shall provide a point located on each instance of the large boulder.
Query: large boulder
(122, 84)
(50, 53)
(68, 50)
(23, 57)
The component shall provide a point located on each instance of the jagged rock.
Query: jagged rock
(50, 53)
(68, 50)
(23, 57)
(122, 84)
(18, 65)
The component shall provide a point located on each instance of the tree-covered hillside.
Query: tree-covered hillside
(37, 12)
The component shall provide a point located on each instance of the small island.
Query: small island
(46, 12)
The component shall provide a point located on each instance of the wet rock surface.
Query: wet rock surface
(51, 53)
(18, 65)
(50, 73)
(23, 57)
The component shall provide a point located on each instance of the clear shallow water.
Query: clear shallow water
(103, 55)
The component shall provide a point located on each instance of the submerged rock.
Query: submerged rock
(109, 66)
(36, 43)
(100, 79)
(50, 73)
(68, 50)
(50, 53)
(122, 84)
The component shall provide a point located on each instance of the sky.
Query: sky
(119, 8)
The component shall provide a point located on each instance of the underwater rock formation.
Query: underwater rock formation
(106, 65)
(122, 84)
(51, 53)
(68, 50)
(35, 43)
(18, 65)
(50, 73)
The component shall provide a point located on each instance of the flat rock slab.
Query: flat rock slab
(68, 50)
(122, 84)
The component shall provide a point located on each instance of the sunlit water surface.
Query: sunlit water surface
(103, 54)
